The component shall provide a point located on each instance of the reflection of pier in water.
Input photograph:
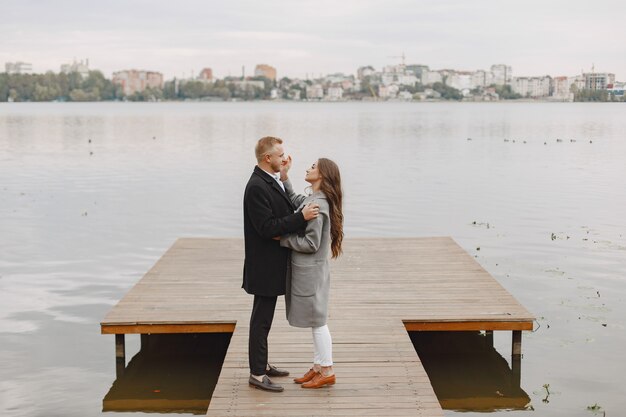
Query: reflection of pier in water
(172, 373)
(467, 373)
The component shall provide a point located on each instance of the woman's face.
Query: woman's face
(313, 174)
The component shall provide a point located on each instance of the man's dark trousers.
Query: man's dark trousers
(260, 324)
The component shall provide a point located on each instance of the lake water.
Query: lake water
(91, 195)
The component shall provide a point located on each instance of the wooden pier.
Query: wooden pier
(381, 287)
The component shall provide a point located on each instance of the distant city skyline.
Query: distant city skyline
(178, 39)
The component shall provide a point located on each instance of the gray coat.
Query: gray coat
(308, 279)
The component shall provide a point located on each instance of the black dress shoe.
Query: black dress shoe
(266, 385)
(274, 371)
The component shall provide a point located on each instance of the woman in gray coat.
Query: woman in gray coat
(308, 283)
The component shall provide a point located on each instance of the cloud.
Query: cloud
(535, 37)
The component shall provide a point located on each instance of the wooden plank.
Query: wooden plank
(466, 325)
(383, 376)
(156, 328)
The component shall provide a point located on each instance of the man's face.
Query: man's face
(276, 157)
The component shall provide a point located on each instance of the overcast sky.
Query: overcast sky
(535, 37)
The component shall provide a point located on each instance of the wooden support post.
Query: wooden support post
(120, 355)
(517, 343)
(516, 358)
(489, 338)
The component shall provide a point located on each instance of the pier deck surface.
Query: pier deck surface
(380, 288)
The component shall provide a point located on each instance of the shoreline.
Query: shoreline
(536, 101)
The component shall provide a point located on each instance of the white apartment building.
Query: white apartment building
(532, 86)
(81, 67)
(461, 81)
(243, 84)
(334, 93)
(18, 67)
(482, 78)
(398, 74)
(314, 92)
(502, 74)
(598, 80)
(431, 77)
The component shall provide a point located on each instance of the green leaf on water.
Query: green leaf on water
(594, 407)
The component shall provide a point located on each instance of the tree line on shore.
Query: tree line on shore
(96, 87)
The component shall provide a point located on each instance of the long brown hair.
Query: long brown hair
(331, 187)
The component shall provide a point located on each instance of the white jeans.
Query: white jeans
(323, 345)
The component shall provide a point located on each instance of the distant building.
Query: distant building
(561, 89)
(417, 70)
(363, 72)
(578, 82)
(81, 67)
(431, 77)
(482, 78)
(18, 67)
(405, 95)
(136, 81)
(617, 89)
(314, 92)
(267, 71)
(534, 87)
(598, 80)
(502, 74)
(348, 84)
(206, 75)
(427, 93)
(398, 74)
(334, 93)
(337, 78)
(294, 94)
(248, 83)
(388, 91)
(461, 80)
(489, 94)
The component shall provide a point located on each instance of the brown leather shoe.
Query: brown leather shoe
(306, 377)
(319, 381)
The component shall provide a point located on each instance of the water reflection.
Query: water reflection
(467, 373)
(80, 229)
(172, 373)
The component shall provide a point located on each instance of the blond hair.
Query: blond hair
(265, 145)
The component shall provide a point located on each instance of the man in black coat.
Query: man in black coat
(267, 214)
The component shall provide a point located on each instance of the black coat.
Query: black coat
(267, 213)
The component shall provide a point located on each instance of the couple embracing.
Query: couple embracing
(289, 239)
